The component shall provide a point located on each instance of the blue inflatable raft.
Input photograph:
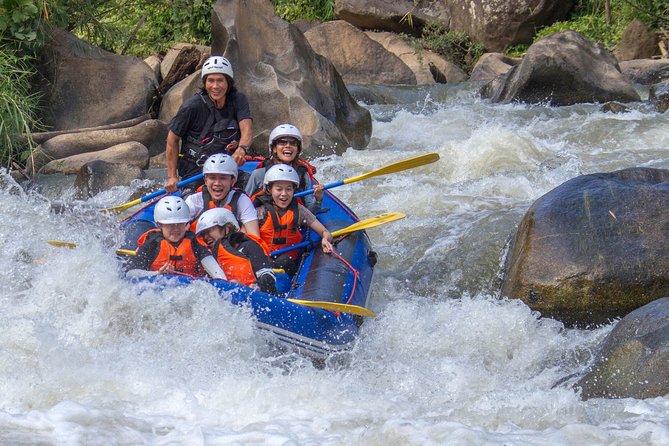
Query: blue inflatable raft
(342, 279)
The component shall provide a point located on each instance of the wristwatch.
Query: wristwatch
(245, 147)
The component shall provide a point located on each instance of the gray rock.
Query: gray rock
(564, 69)
(658, 95)
(97, 176)
(359, 59)
(285, 80)
(132, 152)
(85, 86)
(637, 42)
(646, 71)
(632, 360)
(594, 248)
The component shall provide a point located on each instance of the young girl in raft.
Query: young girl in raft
(172, 248)
(285, 147)
(280, 216)
(243, 257)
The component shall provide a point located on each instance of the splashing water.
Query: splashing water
(89, 359)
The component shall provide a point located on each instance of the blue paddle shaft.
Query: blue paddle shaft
(303, 244)
(327, 186)
(180, 184)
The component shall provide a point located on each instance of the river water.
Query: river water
(88, 360)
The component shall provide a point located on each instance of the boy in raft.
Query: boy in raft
(172, 248)
(243, 257)
(220, 174)
(285, 147)
(280, 216)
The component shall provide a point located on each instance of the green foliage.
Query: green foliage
(18, 105)
(292, 10)
(589, 18)
(455, 46)
(142, 27)
(19, 22)
(592, 27)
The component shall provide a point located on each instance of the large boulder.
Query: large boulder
(150, 133)
(359, 59)
(285, 80)
(493, 23)
(500, 24)
(428, 67)
(594, 248)
(175, 96)
(98, 175)
(399, 16)
(564, 69)
(85, 86)
(632, 360)
(133, 153)
(637, 42)
(646, 71)
(491, 65)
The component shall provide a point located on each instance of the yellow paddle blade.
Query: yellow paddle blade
(72, 245)
(62, 244)
(122, 207)
(371, 222)
(399, 166)
(333, 306)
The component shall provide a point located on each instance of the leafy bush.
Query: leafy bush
(292, 10)
(18, 105)
(455, 46)
(592, 27)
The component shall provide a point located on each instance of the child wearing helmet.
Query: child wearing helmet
(243, 257)
(220, 174)
(215, 120)
(280, 216)
(285, 147)
(172, 248)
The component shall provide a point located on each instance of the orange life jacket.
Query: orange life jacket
(232, 206)
(181, 257)
(236, 265)
(279, 231)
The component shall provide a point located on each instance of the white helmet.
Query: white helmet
(281, 172)
(282, 131)
(171, 209)
(215, 217)
(217, 64)
(220, 163)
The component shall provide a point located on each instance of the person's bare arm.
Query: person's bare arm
(172, 158)
(245, 139)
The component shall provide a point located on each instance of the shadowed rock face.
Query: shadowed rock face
(85, 86)
(496, 24)
(285, 80)
(594, 248)
(564, 69)
(632, 360)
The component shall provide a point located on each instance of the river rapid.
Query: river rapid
(87, 359)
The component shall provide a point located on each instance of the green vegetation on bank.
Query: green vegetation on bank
(590, 18)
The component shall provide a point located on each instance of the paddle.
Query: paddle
(399, 166)
(367, 223)
(333, 306)
(72, 245)
(158, 193)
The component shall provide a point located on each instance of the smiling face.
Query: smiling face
(285, 149)
(282, 193)
(212, 234)
(216, 85)
(218, 184)
(173, 232)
